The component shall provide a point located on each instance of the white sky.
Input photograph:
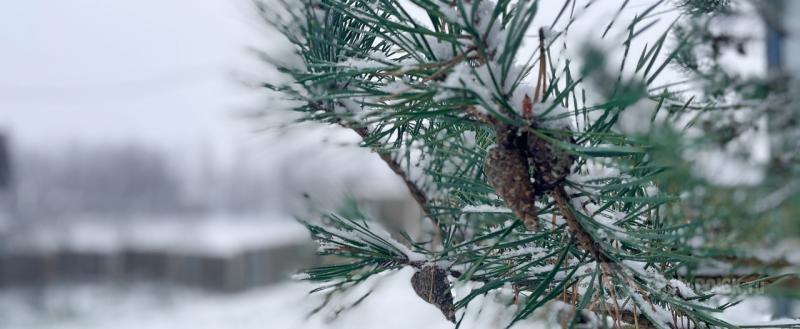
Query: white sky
(146, 70)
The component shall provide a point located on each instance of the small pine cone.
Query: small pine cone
(507, 171)
(430, 283)
(551, 165)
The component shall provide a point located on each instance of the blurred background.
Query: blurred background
(137, 189)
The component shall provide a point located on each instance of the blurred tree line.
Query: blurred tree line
(131, 179)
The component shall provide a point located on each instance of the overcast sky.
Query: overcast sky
(103, 71)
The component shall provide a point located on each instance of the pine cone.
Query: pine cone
(507, 171)
(551, 165)
(432, 286)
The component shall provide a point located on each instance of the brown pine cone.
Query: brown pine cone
(430, 283)
(506, 171)
(551, 165)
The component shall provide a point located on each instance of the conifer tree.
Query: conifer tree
(519, 157)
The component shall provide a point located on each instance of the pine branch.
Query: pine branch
(494, 153)
(417, 193)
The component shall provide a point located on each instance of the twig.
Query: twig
(416, 192)
(541, 81)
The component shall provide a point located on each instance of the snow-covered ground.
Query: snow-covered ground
(392, 305)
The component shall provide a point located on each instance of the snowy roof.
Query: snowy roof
(207, 236)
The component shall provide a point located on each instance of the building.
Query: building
(782, 40)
